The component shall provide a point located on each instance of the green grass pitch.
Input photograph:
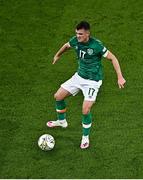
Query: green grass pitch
(31, 31)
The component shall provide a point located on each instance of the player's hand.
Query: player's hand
(55, 59)
(121, 82)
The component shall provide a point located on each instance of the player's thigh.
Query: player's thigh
(72, 85)
(86, 106)
(61, 94)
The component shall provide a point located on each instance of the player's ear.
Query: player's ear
(88, 32)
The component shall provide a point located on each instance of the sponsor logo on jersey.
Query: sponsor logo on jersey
(90, 51)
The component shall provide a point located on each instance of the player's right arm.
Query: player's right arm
(57, 56)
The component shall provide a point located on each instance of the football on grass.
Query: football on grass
(46, 142)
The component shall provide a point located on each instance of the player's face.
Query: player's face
(82, 35)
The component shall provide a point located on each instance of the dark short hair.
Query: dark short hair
(83, 25)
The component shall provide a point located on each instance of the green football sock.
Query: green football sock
(86, 123)
(61, 109)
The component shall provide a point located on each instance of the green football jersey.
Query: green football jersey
(89, 58)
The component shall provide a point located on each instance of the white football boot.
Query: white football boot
(84, 142)
(57, 123)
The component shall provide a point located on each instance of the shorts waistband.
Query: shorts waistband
(88, 79)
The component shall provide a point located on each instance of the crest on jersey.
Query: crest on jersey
(90, 51)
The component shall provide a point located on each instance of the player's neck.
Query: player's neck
(86, 40)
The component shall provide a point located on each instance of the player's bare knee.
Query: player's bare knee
(56, 96)
(85, 110)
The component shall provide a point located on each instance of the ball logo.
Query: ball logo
(90, 51)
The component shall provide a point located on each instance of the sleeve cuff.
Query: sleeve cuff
(105, 54)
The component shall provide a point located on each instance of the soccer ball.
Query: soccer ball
(46, 142)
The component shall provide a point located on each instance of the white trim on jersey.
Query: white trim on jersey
(105, 54)
(104, 49)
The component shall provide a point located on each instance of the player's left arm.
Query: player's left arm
(110, 56)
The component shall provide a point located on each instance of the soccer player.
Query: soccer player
(88, 77)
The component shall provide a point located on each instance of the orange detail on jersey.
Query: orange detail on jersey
(61, 111)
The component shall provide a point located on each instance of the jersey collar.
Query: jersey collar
(85, 43)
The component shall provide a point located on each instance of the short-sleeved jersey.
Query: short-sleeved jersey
(89, 58)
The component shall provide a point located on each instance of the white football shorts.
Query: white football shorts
(88, 87)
